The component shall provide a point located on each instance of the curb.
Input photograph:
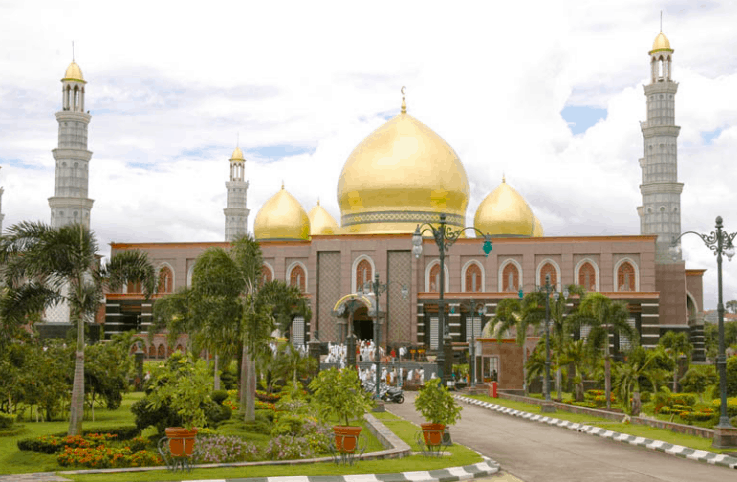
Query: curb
(482, 469)
(659, 445)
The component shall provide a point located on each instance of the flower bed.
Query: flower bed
(102, 457)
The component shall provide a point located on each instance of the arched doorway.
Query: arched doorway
(363, 324)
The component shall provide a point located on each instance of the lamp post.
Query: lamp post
(444, 238)
(379, 288)
(472, 344)
(720, 242)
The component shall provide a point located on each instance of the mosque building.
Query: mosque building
(403, 175)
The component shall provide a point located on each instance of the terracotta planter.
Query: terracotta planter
(181, 441)
(433, 433)
(346, 438)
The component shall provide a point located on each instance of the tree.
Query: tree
(43, 266)
(676, 344)
(228, 309)
(731, 306)
(509, 313)
(561, 330)
(604, 316)
(640, 364)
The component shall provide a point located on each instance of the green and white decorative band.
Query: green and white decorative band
(418, 217)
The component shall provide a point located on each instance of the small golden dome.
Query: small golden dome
(73, 73)
(237, 155)
(402, 174)
(281, 218)
(537, 231)
(505, 213)
(321, 222)
(661, 43)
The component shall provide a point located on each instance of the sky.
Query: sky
(548, 94)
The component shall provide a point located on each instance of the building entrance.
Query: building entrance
(363, 326)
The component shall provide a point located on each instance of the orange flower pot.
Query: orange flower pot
(433, 433)
(181, 441)
(346, 438)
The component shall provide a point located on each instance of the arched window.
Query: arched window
(152, 351)
(510, 278)
(473, 279)
(626, 277)
(297, 278)
(162, 352)
(166, 280)
(548, 269)
(363, 273)
(266, 274)
(587, 277)
(180, 349)
(435, 278)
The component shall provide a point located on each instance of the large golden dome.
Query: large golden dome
(73, 73)
(321, 222)
(537, 231)
(401, 175)
(281, 218)
(505, 213)
(661, 43)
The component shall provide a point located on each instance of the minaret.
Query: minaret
(236, 213)
(660, 212)
(70, 203)
(2, 216)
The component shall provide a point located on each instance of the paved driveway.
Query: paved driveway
(536, 452)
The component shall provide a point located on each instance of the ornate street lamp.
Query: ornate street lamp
(444, 237)
(379, 288)
(472, 346)
(720, 242)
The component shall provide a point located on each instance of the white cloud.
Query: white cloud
(171, 87)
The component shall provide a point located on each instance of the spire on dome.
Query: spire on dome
(404, 104)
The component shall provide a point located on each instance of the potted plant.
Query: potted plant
(184, 385)
(340, 396)
(439, 408)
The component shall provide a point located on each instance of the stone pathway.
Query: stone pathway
(37, 477)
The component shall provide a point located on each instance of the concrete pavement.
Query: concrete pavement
(536, 452)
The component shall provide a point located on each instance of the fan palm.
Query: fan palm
(44, 266)
(676, 344)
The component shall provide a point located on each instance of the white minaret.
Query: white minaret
(236, 212)
(660, 212)
(70, 203)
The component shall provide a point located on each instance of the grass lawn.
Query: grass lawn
(14, 461)
(459, 455)
(691, 441)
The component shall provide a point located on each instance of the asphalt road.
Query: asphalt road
(537, 452)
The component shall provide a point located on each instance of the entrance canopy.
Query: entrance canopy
(352, 301)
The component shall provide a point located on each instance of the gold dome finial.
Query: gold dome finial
(504, 178)
(282, 183)
(318, 201)
(404, 104)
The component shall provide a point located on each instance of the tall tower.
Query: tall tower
(2, 216)
(70, 203)
(236, 212)
(660, 212)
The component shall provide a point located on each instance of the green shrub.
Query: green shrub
(698, 378)
(265, 415)
(216, 414)
(46, 444)
(645, 397)
(219, 396)
(701, 415)
(160, 418)
(288, 424)
(121, 433)
(731, 406)
(6, 421)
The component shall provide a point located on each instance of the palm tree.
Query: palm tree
(561, 331)
(640, 364)
(44, 266)
(575, 355)
(676, 344)
(519, 314)
(604, 316)
(229, 310)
